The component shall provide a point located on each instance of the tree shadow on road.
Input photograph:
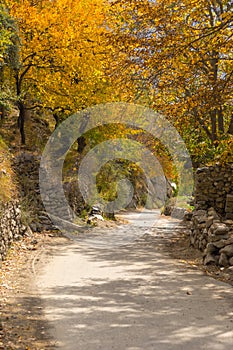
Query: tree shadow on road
(136, 297)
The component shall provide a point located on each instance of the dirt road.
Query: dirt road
(117, 289)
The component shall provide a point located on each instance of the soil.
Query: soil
(22, 323)
(179, 248)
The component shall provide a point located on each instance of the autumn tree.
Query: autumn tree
(8, 54)
(59, 59)
(179, 55)
(5, 33)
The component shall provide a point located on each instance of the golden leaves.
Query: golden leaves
(185, 55)
(61, 45)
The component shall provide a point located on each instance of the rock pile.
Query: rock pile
(212, 235)
(229, 206)
(27, 166)
(11, 226)
(214, 188)
(211, 223)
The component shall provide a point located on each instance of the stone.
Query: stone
(11, 227)
(229, 241)
(205, 232)
(228, 222)
(18, 211)
(33, 226)
(231, 261)
(204, 243)
(228, 250)
(229, 198)
(210, 248)
(209, 221)
(215, 238)
(199, 213)
(178, 213)
(209, 259)
(220, 244)
(219, 199)
(201, 204)
(229, 209)
(188, 216)
(212, 213)
(229, 216)
(92, 219)
(219, 229)
(202, 226)
(216, 221)
(203, 170)
(192, 240)
(223, 260)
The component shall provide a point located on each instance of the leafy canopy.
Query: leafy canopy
(179, 56)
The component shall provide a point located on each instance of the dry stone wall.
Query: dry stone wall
(214, 188)
(211, 223)
(27, 166)
(11, 226)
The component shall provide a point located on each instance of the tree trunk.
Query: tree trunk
(21, 121)
(21, 106)
(220, 121)
(213, 125)
(230, 129)
(81, 139)
(55, 116)
(2, 112)
(81, 144)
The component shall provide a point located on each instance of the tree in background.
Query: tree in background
(173, 56)
(8, 55)
(179, 55)
(60, 55)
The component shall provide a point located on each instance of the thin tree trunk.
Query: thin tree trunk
(2, 112)
(81, 144)
(21, 106)
(81, 139)
(220, 121)
(55, 116)
(21, 122)
(213, 125)
(230, 129)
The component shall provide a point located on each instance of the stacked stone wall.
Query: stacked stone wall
(11, 226)
(211, 223)
(27, 168)
(214, 188)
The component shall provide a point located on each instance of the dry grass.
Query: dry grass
(8, 187)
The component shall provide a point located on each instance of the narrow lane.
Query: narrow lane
(131, 295)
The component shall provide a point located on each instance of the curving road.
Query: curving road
(117, 289)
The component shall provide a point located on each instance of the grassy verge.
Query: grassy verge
(8, 184)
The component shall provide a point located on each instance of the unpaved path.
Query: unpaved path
(117, 289)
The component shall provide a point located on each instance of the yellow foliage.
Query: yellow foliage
(8, 188)
(61, 51)
(177, 57)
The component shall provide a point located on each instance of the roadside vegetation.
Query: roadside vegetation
(8, 181)
(63, 56)
(60, 57)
